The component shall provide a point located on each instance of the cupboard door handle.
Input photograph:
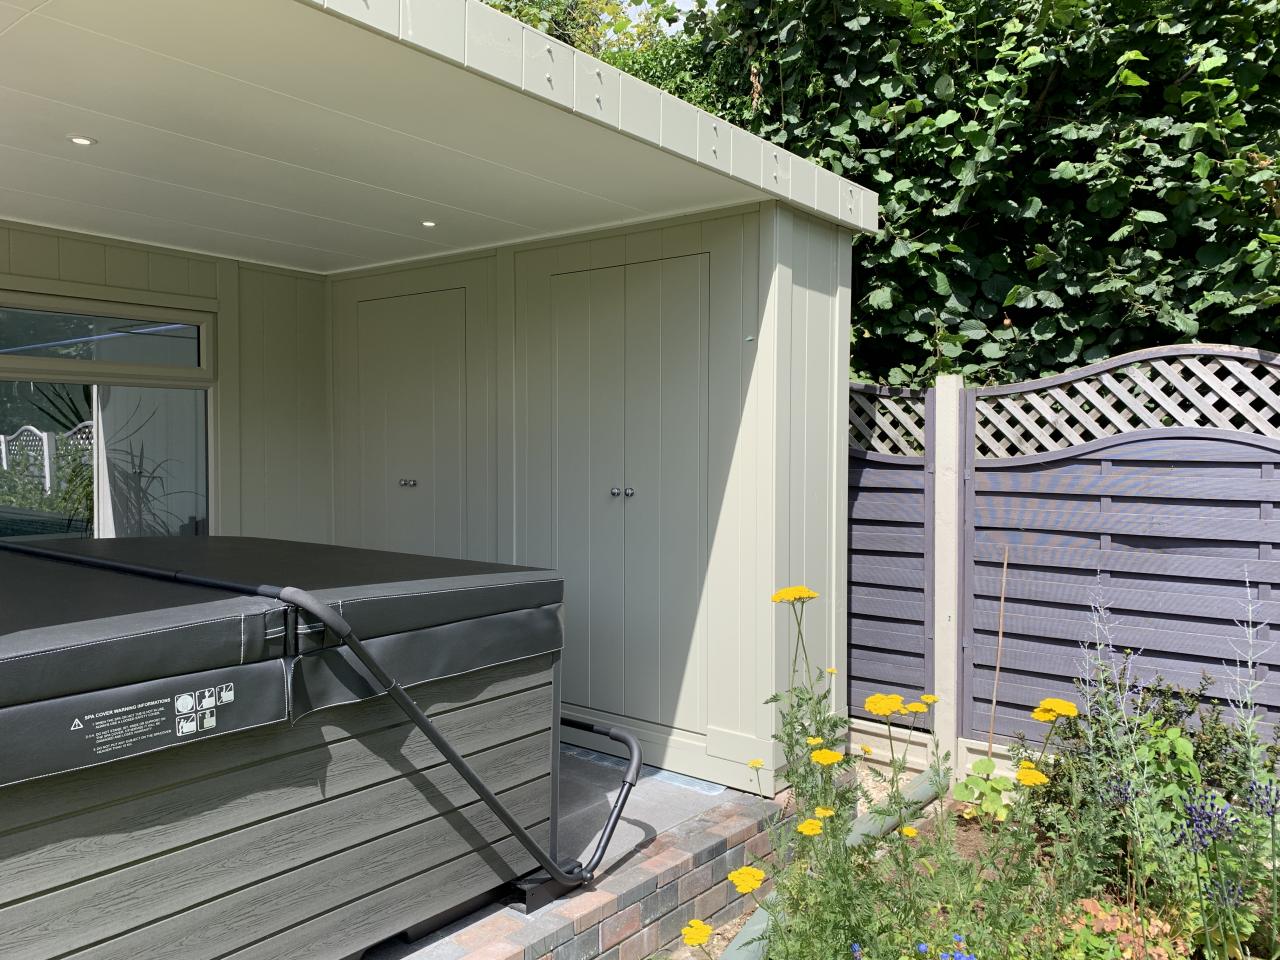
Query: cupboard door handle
(629, 492)
(408, 483)
(615, 492)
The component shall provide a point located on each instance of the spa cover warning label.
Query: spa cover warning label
(127, 727)
(99, 726)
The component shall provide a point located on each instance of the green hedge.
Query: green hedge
(1060, 181)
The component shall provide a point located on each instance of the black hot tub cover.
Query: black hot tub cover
(98, 664)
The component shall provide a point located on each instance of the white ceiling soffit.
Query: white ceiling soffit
(271, 131)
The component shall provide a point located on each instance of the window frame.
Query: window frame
(106, 372)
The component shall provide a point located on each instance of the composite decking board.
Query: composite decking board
(386, 912)
(26, 804)
(106, 838)
(234, 921)
(72, 917)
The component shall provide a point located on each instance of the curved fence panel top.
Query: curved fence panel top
(1193, 385)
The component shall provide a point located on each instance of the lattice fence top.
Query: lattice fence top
(1218, 387)
(79, 436)
(27, 439)
(887, 421)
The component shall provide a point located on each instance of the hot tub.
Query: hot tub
(188, 772)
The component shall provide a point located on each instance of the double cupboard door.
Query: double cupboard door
(630, 524)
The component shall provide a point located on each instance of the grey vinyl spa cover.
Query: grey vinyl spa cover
(98, 664)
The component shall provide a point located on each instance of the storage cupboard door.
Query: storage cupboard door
(587, 328)
(413, 415)
(666, 482)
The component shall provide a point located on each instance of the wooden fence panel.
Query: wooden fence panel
(1146, 484)
(890, 529)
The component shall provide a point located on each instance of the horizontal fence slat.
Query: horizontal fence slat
(871, 478)
(904, 511)
(1167, 486)
(897, 542)
(874, 573)
(1118, 600)
(1079, 521)
(1128, 636)
(1164, 564)
(879, 607)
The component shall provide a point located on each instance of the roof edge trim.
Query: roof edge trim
(487, 42)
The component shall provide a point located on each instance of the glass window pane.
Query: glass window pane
(78, 460)
(69, 336)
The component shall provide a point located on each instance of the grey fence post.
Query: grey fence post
(948, 465)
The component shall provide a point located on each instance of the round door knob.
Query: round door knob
(615, 492)
(629, 492)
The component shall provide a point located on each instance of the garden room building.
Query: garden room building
(407, 274)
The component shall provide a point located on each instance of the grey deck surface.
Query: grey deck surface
(588, 784)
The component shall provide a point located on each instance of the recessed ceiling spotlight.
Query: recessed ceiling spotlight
(428, 223)
(80, 141)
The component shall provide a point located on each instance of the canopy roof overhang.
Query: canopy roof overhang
(282, 132)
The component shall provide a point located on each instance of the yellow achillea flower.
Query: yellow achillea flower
(810, 827)
(866, 749)
(1063, 708)
(832, 670)
(1054, 708)
(813, 741)
(1026, 765)
(883, 704)
(909, 832)
(746, 879)
(826, 757)
(917, 708)
(1031, 777)
(696, 933)
(823, 812)
(756, 764)
(929, 698)
(794, 595)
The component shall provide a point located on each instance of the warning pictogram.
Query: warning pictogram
(76, 724)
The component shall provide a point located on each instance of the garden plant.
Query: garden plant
(1136, 820)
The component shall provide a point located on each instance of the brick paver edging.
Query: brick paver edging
(638, 906)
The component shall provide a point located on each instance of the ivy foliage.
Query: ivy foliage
(1060, 180)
